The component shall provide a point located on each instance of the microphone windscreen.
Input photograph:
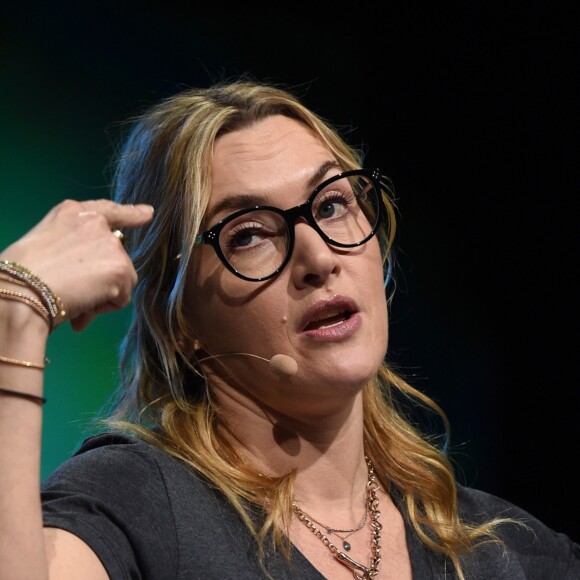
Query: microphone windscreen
(284, 365)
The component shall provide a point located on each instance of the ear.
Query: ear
(197, 344)
(190, 346)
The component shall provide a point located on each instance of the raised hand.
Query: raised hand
(74, 251)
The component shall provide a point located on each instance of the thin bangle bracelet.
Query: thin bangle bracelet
(35, 398)
(23, 363)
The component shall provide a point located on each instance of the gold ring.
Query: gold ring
(119, 234)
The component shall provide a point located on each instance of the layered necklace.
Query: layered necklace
(359, 570)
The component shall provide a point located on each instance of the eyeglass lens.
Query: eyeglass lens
(345, 211)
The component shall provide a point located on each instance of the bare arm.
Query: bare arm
(74, 252)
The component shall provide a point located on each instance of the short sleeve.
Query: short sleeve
(112, 495)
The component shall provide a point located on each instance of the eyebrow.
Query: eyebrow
(242, 201)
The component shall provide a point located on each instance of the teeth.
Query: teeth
(331, 324)
(327, 314)
(329, 318)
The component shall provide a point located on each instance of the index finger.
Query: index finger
(118, 215)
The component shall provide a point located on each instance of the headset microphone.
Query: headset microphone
(284, 365)
(281, 364)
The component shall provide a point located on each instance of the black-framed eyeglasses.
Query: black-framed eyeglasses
(256, 243)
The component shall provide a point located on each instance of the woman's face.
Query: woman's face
(326, 309)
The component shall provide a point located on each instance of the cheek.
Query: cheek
(370, 270)
(371, 283)
(247, 329)
(205, 312)
(230, 314)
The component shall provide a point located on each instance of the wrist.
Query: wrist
(18, 321)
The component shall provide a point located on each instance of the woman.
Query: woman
(257, 431)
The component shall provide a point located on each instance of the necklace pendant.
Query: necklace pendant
(346, 545)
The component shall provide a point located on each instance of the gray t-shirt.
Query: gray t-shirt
(149, 516)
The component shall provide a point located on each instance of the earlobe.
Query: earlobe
(190, 346)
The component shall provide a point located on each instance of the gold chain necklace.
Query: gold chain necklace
(373, 509)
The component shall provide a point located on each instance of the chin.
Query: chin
(350, 373)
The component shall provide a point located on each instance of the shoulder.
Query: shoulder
(539, 550)
(118, 457)
(479, 506)
(120, 495)
(111, 446)
(126, 469)
(147, 514)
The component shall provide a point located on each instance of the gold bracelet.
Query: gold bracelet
(12, 280)
(51, 301)
(34, 303)
(35, 398)
(23, 363)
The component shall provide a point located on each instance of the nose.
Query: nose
(313, 260)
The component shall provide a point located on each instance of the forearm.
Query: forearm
(23, 336)
(69, 267)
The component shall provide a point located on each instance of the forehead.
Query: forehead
(271, 155)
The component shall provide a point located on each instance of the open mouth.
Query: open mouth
(328, 319)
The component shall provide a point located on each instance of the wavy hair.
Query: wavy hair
(166, 161)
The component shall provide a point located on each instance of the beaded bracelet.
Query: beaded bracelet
(34, 303)
(12, 280)
(51, 301)
(30, 397)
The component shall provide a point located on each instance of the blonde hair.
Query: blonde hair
(166, 161)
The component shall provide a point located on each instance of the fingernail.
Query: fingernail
(145, 207)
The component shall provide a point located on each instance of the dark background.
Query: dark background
(471, 109)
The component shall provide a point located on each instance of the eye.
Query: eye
(244, 235)
(334, 204)
(252, 231)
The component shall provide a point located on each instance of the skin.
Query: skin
(313, 421)
(274, 159)
(73, 251)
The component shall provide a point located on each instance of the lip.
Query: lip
(338, 331)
